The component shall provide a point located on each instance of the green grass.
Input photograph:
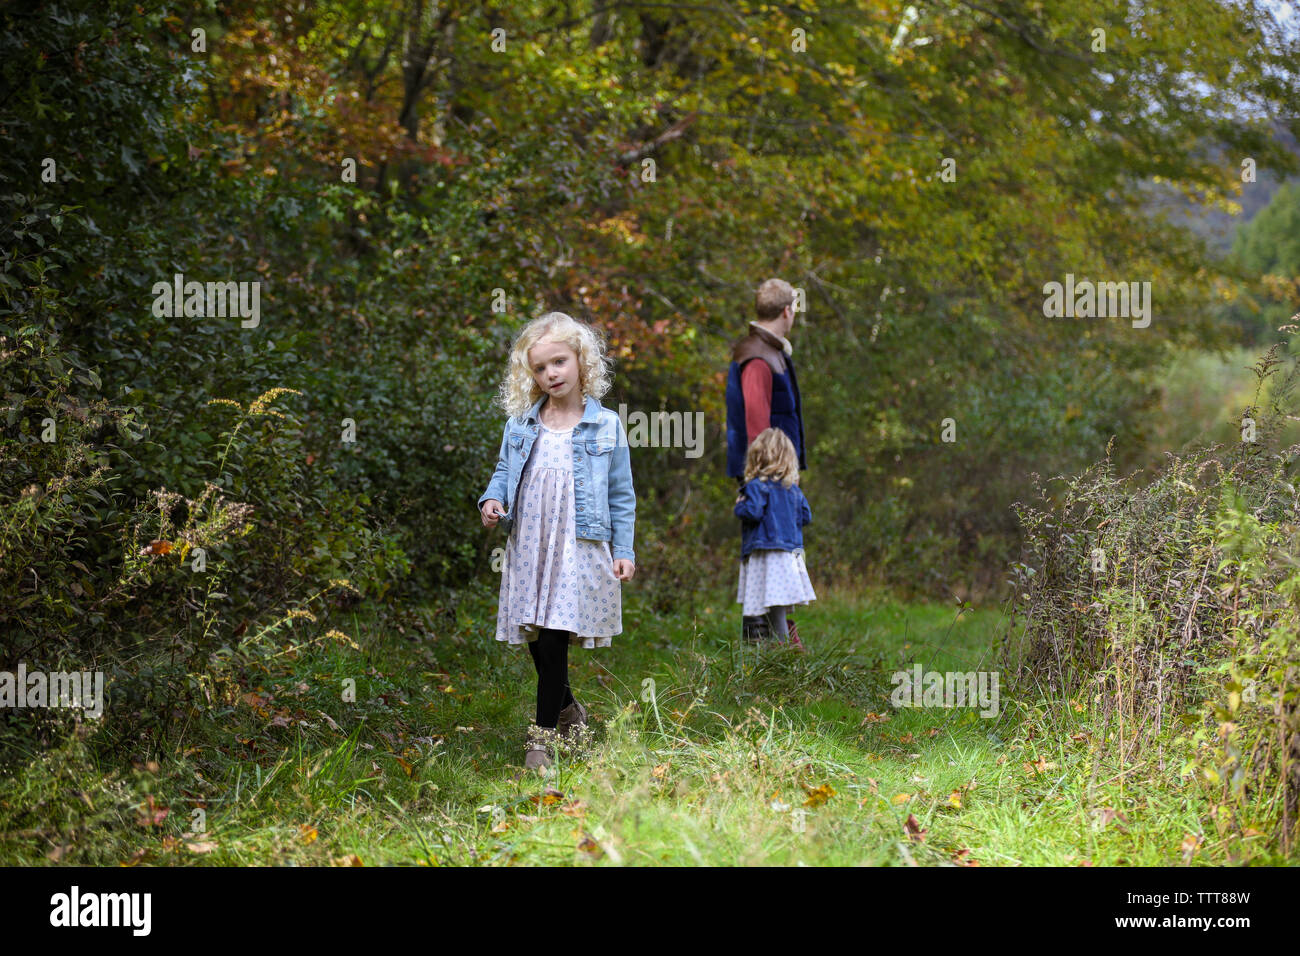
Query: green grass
(740, 756)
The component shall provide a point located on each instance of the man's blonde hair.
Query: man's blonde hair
(772, 298)
(519, 391)
(771, 456)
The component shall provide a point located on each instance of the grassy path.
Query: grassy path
(738, 757)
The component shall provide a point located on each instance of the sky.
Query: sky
(1287, 15)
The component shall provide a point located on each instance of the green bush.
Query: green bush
(1172, 606)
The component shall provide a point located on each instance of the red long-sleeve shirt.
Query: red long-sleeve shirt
(756, 387)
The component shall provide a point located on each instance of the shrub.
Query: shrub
(1173, 606)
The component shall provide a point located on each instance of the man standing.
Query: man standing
(762, 392)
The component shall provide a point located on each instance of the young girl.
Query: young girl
(773, 511)
(563, 483)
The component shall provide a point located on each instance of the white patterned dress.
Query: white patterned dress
(551, 577)
(771, 578)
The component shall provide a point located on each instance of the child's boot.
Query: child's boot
(755, 630)
(536, 755)
(572, 719)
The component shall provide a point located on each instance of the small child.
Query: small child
(563, 482)
(772, 511)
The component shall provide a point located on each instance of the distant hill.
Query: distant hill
(1216, 227)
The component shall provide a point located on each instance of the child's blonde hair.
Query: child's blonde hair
(771, 456)
(519, 391)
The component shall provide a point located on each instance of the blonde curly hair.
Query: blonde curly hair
(771, 455)
(519, 391)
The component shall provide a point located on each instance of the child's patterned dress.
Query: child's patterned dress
(773, 579)
(551, 577)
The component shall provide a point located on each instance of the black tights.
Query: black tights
(551, 658)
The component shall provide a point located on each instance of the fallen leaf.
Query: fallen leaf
(818, 795)
(150, 814)
(307, 833)
(913, 828)
(1106, 814)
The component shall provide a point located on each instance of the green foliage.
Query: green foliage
(1268, 248)
(59, 508)
(142, 531)
(1270, 243)
(1171, 605)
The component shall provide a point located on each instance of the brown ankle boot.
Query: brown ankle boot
(536, 754)
(572, 719)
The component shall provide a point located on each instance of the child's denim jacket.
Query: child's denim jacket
(771, 516)
(604, 501)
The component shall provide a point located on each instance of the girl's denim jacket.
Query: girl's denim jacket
(604, 501)
(771, 516)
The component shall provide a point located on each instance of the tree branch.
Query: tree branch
(667, 136)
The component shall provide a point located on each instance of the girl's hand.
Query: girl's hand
(491, 512)
(624, 569)
(740, 498)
